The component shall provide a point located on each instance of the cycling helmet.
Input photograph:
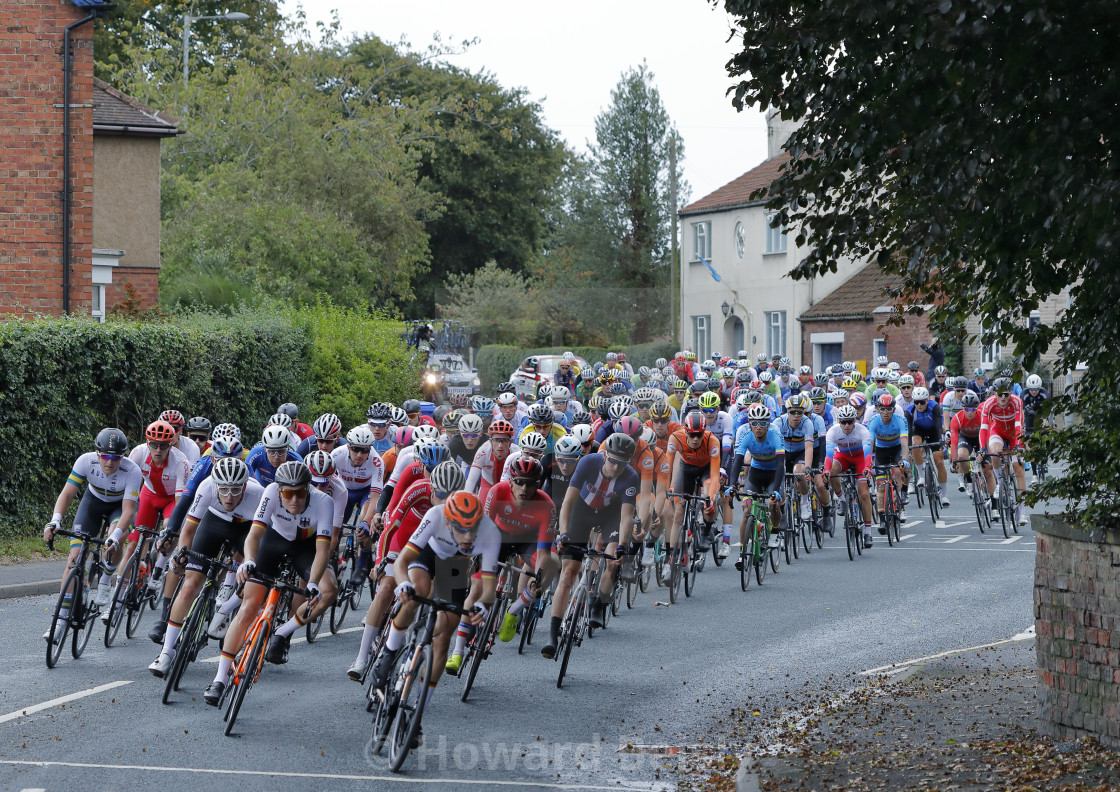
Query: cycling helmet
(501, 427)
(667, 371)
(628, 425)
(741, 400)
(320, 463)
(450, 420)
(482, 405)
(698, 387)
(276, 437)
(544, 391)
(225, 446)
(881, 360)
(643, 371)
(661, 363)
(795, 385)
(878, 374)
(1002, 385)
(378, 413)
(766, 377)
(847, 366)
(471, 424)
(857, 376)
(820, 380)
(290, 410)
(423, 432)
(846, 413)
(893, 366)
(533, 442)
(612, 357)
(818, 395)
(884, 401)
(849, 384)
(618, 409)
(526, 467)
(439, 413)
(912, 365)
(709, 401)
(568, 356)
(160, 432)
(231, 472)
(173, 417)
(857, 400)
(604, 406)
(111, 441)
(403, 436)
(431, 454)
(840, 393)
(560, 393)
(411, 406)
(970, 400)
(620, 446)
(694, 422)
(645, 395)
(978, 372)
(581, 416)
(279, 419)
(397, 416)
(624, 375)
(362, 435)
(541, 415)
(690, 406)
(199, 424)
(727, 372)
(713, 385)
(744, 376)
(920, 394)
(582, 433)
(505, 399)
(799, 401)
(447, 477)
(617, 388)
(785, 362)
(228, 429)
(1034, 382)
(459, 400)
(1006, 373)
(661, 410)
(708, 365)
(805, 370)
(960, 383)
(905, 380)
(758, 412)
(626, 400)
(594, 402)
(568, 447)
(328, 427)
(940, 371)
(679, 356)
(293, 474)
(506, 387)
(893, 376)
(463, 509)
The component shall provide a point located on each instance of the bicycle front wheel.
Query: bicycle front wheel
(246, 675)
(118, 606)
(82, 621)
(481, 640)
(694, 556)
(313, 627)
(410, 710)
(68, 599)
(339, 609)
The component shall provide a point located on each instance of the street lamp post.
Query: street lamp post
(188, 20)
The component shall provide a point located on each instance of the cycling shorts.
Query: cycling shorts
(209, 535)
(515, 552)
(793, 459)
(971, 443)
(688, 476)
(576, 551)
(150, 508)
(1009, 444)
(450, 576)
(355, 499)
(860, 462)
(931, 434)
(94, 515)
(889, 455)
(274, 547)
(585, 520)
(759, 480)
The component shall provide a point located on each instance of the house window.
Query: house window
(740, 241)
(701, 241)
(97, 303)
(701, 340)
(775, 237)
(878, 349)
(989, 353)
(775, 333)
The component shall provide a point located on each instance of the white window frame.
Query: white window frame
(97, 302)
(776, 238)
(702, 241)
(776, 333)
(989, 353)
(702, 336)
(878, 347)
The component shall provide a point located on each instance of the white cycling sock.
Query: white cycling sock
(225, 663)
(395, 639)
(727, 532)
(368, 634)
(230, 605)
(169, 637)
(289, 627)
(231, 579)
(520, 603)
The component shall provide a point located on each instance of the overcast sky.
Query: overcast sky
(570, 55)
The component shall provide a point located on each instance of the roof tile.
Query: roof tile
(855, 298)
(114, 110)
(738, 193)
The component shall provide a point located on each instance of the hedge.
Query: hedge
(495, 362)
(61, 380)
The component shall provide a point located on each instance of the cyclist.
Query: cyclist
(951, 399)
(413, 408)
(599, 504)
(694, 453)
(486, 469)
(198, 430)
(531, 445)
(274, 450)
(512, 410)
(914, 370)
(222, 511)
(112, 491)
(1001, 429)
(377, 416)
(292, 519)
(300, 430)
(937, 386)
(925, 425)
(183, 443)
(1033, 398)
(567, 454)
(543, 421)
(465, 445)
(979, 382)
(799, 435)
(325, 435)
(890, 443)
(361, 468)
(848, 445)
(964, 438)
(763, 442)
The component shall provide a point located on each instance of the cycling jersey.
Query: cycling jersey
(315, 520)
(1032, 403)
(309, 444)
(707, 455)
(206, 501)
(925, 424)
(403, 520)
(521, 523)
(462, 455)
(554, 434)
(485, 471)
(721, 428)
(409, 475)
(889, 434)
(794, 437)
(965, 428)
(189, 449)
(854, 443)
(166, 480)
(600, 494)
(435, 534)
(263, 470)
(1006, 421)
(367, 477)
(124, 484)
(336, 489)
(764, 453)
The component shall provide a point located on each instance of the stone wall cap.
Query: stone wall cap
(1059, 525)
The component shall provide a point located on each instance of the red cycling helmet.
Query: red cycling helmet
(160, 432)
(173, 417)
(885, 401)
(526, 467)
(694, 422)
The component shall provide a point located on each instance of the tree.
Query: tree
(630, 177)
(492, 301)
(967, 147)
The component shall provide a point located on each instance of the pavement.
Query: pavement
(35, 577)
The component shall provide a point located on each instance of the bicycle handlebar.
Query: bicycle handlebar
(440, 605)
(84, 537)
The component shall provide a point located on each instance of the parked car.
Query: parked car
(448, 374)
(536, 369)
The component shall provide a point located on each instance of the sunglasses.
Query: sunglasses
(229, 491)
(297, 492)
(941, 376)
(461, 530)
(199, 438)
(470, 435)
(378, 424)
(359, 449)
(564, 368)
(525, 482)
(759, 423)
(609, 460)
(1003, 395)
(905, 387)
(796, 412)
(847, 423)
(970, 409)
(659, 420)
(277, 451)
(709, 410)
(922, 401)
(110, 457)
(152, 444)
(500, 440)
(959, 390)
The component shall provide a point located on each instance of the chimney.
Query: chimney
(777, 132)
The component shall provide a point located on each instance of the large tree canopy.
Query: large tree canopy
(967, 146)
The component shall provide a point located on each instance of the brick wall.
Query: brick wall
(144, 280)
(1077, 621)
(31, 158)
(902, 342)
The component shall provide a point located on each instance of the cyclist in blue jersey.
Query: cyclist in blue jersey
(767, 450)
(326, 435)
(799, 434)
(890, 444)
(923, 417)
(275, 449)
(822, 417)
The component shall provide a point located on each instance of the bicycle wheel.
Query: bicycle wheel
(806, 531)
(889, 501)
(119, 603)
(761, 553)
(980, 504)
(658, 561)
(86, 616)
(72, 587)
(147, 595)
(568, 633)
(633, 587)
(246, 674)
(528, 624)
(676, 572)
(693, 567)
(410, 710)
(645, 573)
(184, 646)
(932, 490)
(339, 608)
(313, 627)
(383, 705)
(618, 594)
(746, 557)
(482, 637)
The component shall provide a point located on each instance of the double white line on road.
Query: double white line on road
(62, 700)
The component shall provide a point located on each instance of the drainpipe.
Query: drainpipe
(67, 199)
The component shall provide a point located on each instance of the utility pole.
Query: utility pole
(674, 254)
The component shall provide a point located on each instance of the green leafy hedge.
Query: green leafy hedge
(495, 362)
(61, 380)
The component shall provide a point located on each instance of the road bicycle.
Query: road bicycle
(892, 502)
(481, 643)
(981, 500)
(925, 484)
(400, 704)
(576, 622)
(193, 638)
(134, 591)
(1008, 493)
(755, 547)
(790, 526)
(685, 562)
(817, 509)
(81, 610)
(853, 523)
(531, 615)
(248, 664)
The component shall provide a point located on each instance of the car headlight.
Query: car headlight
(476, 382)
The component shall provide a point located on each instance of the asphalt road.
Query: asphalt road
(658, 680)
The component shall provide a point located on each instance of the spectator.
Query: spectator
(936, 356)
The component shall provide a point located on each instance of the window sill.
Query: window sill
(774, 253)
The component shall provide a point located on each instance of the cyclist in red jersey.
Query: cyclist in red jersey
(1001, 430)
(964, 438)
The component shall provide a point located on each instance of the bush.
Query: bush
(61, 380)
(495, 362)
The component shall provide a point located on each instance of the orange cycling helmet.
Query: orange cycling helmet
(501, 427)
(160, 432)
(463, 509)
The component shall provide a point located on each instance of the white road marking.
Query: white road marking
(397, 780)
(904, 537)
(301, 639)
(943, 524)
(1012, 540)
(62, 700)
(895, 668)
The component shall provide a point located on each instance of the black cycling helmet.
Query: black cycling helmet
(411, 406)
(293, 474)
(698, 387)
(817, 394)
(581, 417)
(506, 387)
(290, 410)
(111, 441)
(620, 445)
(199, 424)
(604, 409)
(970, 400)
(713, 385)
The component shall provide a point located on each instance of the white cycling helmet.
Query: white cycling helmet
(582, 432)
(560, 393)
(425, 432)
(506, 398)
(276, 437)
(533, 442)
(279, 419)
(447, 477)
(757, 412)
(230, 472)
(470, 423)
(1034, 382)
(846, 413)
(361, 435)
(920, 394)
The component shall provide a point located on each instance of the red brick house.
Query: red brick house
(114, 171)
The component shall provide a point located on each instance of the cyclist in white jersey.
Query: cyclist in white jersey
(360, 468)
(486, 469)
